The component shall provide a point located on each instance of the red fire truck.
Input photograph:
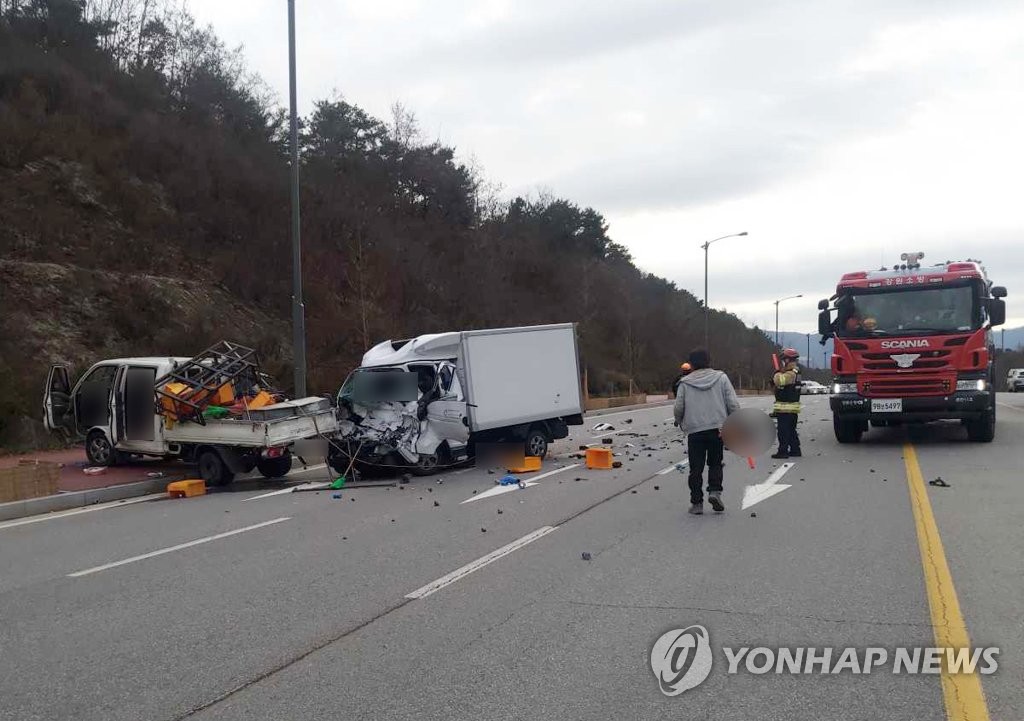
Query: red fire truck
(913, 344)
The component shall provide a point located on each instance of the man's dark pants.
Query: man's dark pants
(705, 448)
(789, 441)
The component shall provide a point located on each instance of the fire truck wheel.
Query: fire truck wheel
(847, 431)
(983, 430)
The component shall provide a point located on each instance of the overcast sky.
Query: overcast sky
(838, 134)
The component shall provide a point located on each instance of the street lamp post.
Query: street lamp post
(707, 311)
(801, 295)
(298, 310)
(808, 349)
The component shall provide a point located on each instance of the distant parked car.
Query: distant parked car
(812, 388)
(1015, 380)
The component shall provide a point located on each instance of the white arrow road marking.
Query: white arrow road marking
(666, 471)
(761, 491)
(498, 490)
(479, 563)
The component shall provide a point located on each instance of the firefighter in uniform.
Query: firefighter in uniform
(786, 383)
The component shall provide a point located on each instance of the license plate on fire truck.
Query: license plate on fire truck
(886, 405)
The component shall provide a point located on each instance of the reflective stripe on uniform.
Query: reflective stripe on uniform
(782, 407)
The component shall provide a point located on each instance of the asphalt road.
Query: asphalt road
(303, 606)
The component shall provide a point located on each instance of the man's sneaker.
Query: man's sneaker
(780, 454)
(795, 454)
(696, 509)
(715, 499)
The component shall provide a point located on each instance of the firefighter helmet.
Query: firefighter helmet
(790, 354)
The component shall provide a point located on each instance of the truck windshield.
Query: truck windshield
(380, 385)
(908, 311)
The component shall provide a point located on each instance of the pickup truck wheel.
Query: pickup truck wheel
(274, 467)
(213, 470)
(846, 432)
(99, 450)
(983, 430)
(536, 443)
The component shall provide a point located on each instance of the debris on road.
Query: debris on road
(606, 441)
(187, 488)
(599, 458)
(508, 480)
(617, 464)
(336, 496)
(628, 420)
(94, 470)
(436, 504)
(753, 514)
(483, 530)
(586, 555)
(603, 427)
(939, 482)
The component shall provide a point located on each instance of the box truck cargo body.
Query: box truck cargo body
(429, 401)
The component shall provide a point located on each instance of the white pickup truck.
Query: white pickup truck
(427, 402)
(114, 408)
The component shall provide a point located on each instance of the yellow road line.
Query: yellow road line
(965, 700)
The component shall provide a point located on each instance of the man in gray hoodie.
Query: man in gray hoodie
(704, 399)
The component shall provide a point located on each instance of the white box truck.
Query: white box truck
(428, 402)
(113, 407)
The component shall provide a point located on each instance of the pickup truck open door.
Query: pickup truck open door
(57, 404)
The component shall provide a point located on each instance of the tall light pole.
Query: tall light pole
(298, 310)
(707, 311)
(808, 349)
(780, 300)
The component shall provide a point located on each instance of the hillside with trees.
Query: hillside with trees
(145, 205)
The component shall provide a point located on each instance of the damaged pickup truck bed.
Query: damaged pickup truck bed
(427, 402)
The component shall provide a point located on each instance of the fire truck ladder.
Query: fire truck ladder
(202, 377)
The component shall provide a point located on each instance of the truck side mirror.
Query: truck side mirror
(996, 311)
(823, 304)
(824, 324)
(998, 291)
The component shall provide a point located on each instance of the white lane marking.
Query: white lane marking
(78, 511)
(479, 563)
(298, 468)
(1011, 407)
(499, 490)
(653, 407)
(179, 547)
(758, 492)
(666, 471)
(278, 492)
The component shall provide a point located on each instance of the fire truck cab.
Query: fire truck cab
(913, 344)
